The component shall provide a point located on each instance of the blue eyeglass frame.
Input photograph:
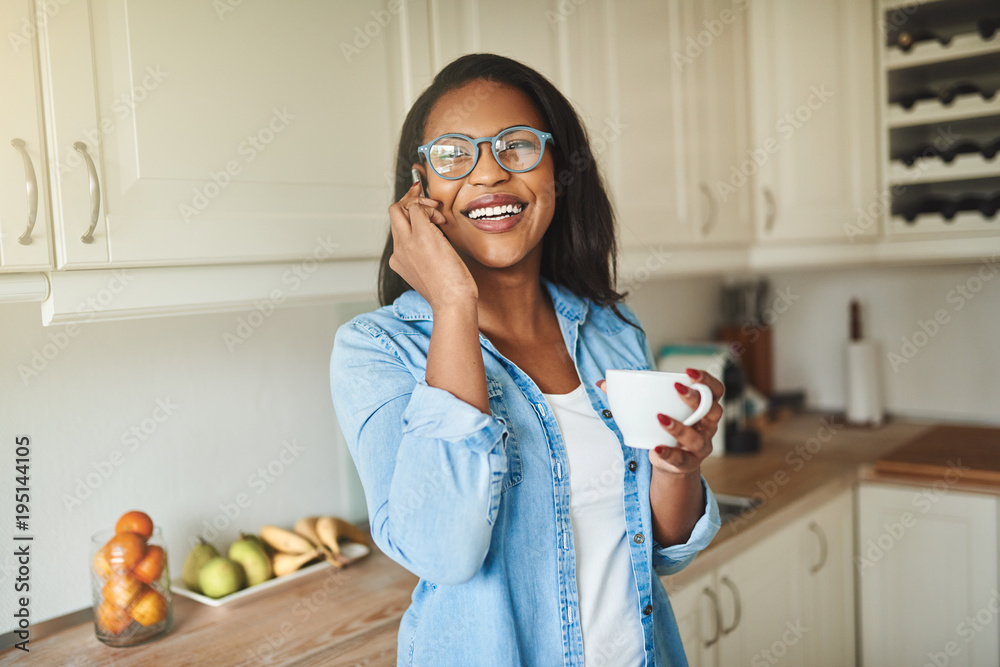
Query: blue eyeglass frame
(543, 137)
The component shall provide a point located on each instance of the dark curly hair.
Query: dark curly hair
(579, 248)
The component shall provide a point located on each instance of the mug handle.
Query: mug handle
(703, 407)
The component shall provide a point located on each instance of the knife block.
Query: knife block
(751, 344)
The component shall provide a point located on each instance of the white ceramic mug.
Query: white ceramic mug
(636, 396)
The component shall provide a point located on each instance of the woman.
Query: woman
(472, 400)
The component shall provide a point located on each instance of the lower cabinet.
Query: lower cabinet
(927, 567)
(787, 600)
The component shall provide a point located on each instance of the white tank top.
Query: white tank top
(608, 595)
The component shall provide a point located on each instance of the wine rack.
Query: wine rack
(940, 90)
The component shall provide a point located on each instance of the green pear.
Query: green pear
(248, 552)
(200, 554)
(220, 577)
(264, 546)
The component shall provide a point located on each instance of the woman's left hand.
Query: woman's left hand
(694, 442)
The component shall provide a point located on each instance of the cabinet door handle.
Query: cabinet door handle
(737, 607)
(95, 192)
(32, 185)
(718, 616)
(823, 547)
(709, 222)
(772, 210)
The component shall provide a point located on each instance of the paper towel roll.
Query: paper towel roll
(864, 395)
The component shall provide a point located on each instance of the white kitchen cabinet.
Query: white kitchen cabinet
(826, 569)
(789, 599)
(927, 564)
(458, 27)
(212, 133)
(24, 198)
(622, 77)
(711, 54)
(761, 600)
(814, 138)
(696, 609)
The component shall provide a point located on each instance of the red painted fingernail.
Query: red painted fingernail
(665, 420)
(681, 389)
(660, 449)
(598, 383)
(693, 374)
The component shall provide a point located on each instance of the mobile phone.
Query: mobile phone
(419, 178)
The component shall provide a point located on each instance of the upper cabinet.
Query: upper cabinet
(25, 231)
(813, 147)
(622, 78)
(458, 27)
(711, 56)
(206, 133)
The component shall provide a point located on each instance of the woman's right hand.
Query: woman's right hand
(423, 256)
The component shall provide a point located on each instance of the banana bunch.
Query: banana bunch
(328, 537)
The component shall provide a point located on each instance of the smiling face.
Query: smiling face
(494, 218)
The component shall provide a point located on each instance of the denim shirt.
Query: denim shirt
(478, 505)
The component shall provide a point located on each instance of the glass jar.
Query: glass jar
(130, 581)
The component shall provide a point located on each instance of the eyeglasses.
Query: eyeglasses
(516, 149)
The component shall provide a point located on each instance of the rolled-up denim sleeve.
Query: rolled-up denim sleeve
(431, 464)
(672, 559)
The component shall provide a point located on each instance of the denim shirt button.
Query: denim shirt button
(638, 538)
(606, 413)
(632, 466)
(648, 609)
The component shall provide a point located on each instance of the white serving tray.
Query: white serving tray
(351, 552)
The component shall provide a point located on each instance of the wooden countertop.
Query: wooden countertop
(330, 617)
(352, 616)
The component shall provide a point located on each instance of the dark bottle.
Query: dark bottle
(906, 39)
(991, 148)
(990, 205)
(907, 100)
(948, 94)
(948, 208)
(987, 26)
(911, 211)
(959, 148)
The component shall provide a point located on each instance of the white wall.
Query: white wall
(233, 413)
(953, 374)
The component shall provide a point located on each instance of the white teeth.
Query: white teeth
(494, 212)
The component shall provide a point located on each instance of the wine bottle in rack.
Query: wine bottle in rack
(990, 205)
(905, 39)
(990, 149)
(987, 149)
(948, 94)
(948, 208)
(949, 154)
(907, 100)
(987, 26)
(912, 210)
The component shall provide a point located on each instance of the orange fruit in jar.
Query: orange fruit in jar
(135, 522)
(102, 563)
(121, 590)
(150, 608)
(125, 550)
(150, 567)
(112, 619)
